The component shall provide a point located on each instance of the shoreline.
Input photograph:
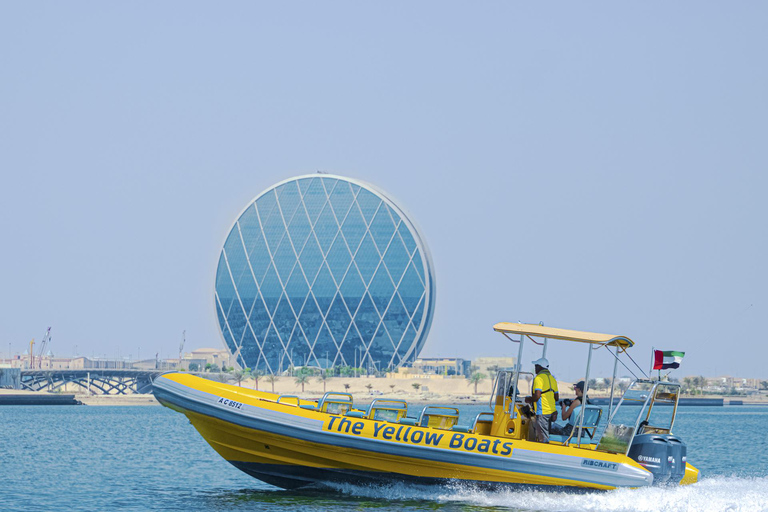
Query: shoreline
(416, 391)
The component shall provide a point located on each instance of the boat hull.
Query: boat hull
(288, 446)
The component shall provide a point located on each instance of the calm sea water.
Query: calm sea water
(151, 458)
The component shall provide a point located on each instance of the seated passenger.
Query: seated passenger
(573, 411)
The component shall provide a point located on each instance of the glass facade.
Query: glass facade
(323, 270)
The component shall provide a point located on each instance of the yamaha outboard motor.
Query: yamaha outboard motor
(652, 452)
(664, 455)
(678, 451)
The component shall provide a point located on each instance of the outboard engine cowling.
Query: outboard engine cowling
(652, 451)
(678, 451)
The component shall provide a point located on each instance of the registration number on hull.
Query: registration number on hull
(229, 403)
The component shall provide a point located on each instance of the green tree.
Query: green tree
(255, 375)
(493, 370)
(272, 379)
(416, 386)
(688, 385)
(476, 378)
(346, 386)
(369, 387)
(700, 383)
(301, 379)
(238, 375)
(764, 385)
(193, 367)
(392, 388)
(323, 377)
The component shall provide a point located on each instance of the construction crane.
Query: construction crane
(43, 346)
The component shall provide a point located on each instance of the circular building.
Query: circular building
(323, 270)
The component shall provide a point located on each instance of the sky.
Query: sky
(597, 167)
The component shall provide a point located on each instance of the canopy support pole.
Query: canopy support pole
(516, 377)
(584, 396)
(613, 381)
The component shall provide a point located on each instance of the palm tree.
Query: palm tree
(688, 384)
(416, 386)
(272, 379)
(302, 379)
(700, 382)
(256, 374)
(392, 387)
(346, 386)
(238, 375)
(323, 377)
(476, 378)
(369, 387)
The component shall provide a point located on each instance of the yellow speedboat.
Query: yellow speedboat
(289, 442)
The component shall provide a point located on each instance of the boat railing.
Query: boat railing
(443, 418)
(482, 423)
(387, 409)
(644, 394)
(283, 399)
(335, 403)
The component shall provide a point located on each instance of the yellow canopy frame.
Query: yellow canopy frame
(541, 331)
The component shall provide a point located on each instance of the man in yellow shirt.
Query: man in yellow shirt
(544, 400)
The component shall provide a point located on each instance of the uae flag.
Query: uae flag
(669, 359)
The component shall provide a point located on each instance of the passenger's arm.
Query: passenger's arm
(574, 404)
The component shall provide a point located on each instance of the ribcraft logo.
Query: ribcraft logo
(418, 436)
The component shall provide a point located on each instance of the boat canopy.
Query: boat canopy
(564, 334)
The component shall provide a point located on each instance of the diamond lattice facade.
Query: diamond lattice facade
(324, 270)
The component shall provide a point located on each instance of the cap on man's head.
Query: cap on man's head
(579, 385)
(542, 361)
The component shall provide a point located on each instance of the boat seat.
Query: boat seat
(308, 407)
(387, 409)
(460, 428)
(443, 418)
(482, 423)
(335, 403)
(585, 439)
(409, 421)
(355, 414)
(592, 415)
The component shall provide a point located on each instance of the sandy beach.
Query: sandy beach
(449, 391)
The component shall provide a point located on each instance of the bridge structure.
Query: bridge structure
(106, 381)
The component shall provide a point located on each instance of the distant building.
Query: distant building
(203, 356)
(441, 366)
(322, 271)
(486, 364)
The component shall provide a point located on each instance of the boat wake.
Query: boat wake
(716, 494)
